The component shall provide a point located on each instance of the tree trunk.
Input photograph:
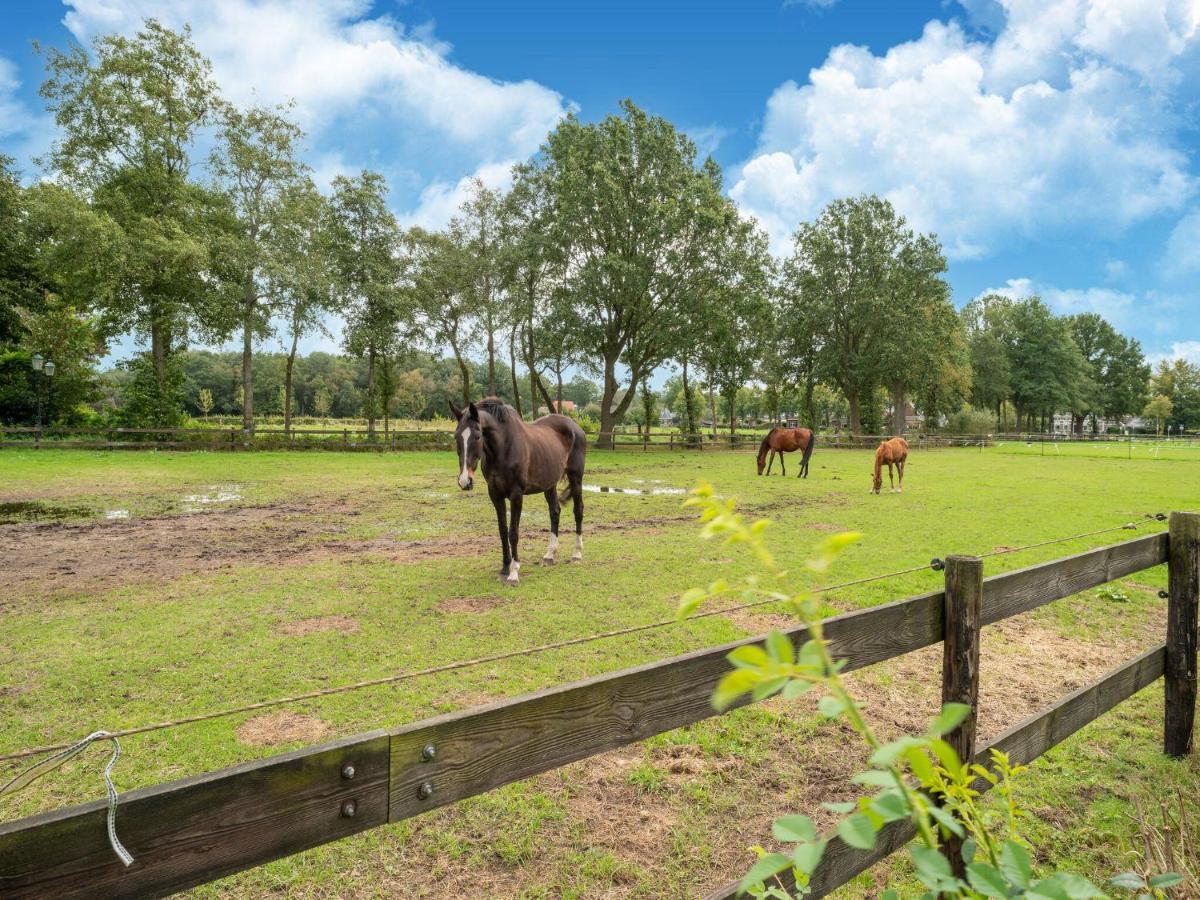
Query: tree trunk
(855, 418)
(689, 412)
(287, 385)
(607, 414)
(558, 375)
(732, 416)
(464, 371)
(810, 382)
(371, 392)
(247, 370)
(530, 358)
(899, 402)
(491, 351)
(512, 365)
(712, 408)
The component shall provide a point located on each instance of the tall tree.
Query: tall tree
(1115, 374)
(634, 217)
(530, 271)
(735, 312)
(479, 222)
(983, 319)
(130, 112)
(442, 295)
(843, 265)
(1045, 364)
(366, 259)
(922, 345)
(298, 271)
(21, 288)
(254, 164)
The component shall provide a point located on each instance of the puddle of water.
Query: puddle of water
(37, 511)
(653, 492)
(117, 514)
(193, 502)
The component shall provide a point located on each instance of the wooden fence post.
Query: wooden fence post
(960, 665)
(1183, 598)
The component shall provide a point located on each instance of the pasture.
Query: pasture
(143, 587)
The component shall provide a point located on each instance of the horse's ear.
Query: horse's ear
(474, 412)
(455, 410)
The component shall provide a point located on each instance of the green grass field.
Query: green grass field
(145, 586)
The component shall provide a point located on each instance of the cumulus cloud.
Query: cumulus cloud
(341, 65)
(1183, 247)
(1065, 118)
(439, 201)
(1117, 307)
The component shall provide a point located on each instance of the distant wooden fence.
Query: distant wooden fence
(189, 832)
(272, 438)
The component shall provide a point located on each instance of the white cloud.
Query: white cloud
(14, 117)
(1183, 247)
(1189, 350)
(1060, 121)
(1117, 307)
(341, 66)
(440, 201)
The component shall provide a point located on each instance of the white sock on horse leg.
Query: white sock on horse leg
(552, 550)
(514, 573)
(578, 547)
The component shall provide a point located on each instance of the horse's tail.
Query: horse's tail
(812, 439)
(578, 444)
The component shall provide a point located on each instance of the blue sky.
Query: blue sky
(1051, 144)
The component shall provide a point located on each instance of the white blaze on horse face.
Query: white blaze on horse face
(464, 477)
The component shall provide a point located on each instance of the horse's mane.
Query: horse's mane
(496, 408)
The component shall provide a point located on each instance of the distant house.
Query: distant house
(567, 406)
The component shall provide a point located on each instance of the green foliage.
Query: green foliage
(919, 778)
(970, 420)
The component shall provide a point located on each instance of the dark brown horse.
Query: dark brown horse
(519, 459)
(894, 453)
(786, 440)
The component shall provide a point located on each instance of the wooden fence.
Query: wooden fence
(234, 439)
(189, 832)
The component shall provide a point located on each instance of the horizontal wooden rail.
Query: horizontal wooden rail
(189, 832)
(1023, 743)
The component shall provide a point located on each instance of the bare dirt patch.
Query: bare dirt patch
(301, 627)
(469, 604)
(281, 728)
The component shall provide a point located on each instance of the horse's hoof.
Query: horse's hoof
(578, 557)
(548, 560)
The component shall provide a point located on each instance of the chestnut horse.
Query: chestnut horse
(894, 453)
(786, 440)
(519, 459)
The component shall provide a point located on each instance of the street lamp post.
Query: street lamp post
(45, 371)
(37, 361)
(49, 370)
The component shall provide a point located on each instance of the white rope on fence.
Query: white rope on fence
(36, 771)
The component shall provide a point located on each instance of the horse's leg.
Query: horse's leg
(514, 533)
(577, 504)
(900, 465)
(782, 468)
(770, 461)
(891, 483)
(501, 518)
(552, 550)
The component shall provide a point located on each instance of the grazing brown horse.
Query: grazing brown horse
(786, 440)
(894, 453)
(519, 459)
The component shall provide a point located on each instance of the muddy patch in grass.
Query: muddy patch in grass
(281, 728)
(469, 604)
(317, 624)
(19, 511)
